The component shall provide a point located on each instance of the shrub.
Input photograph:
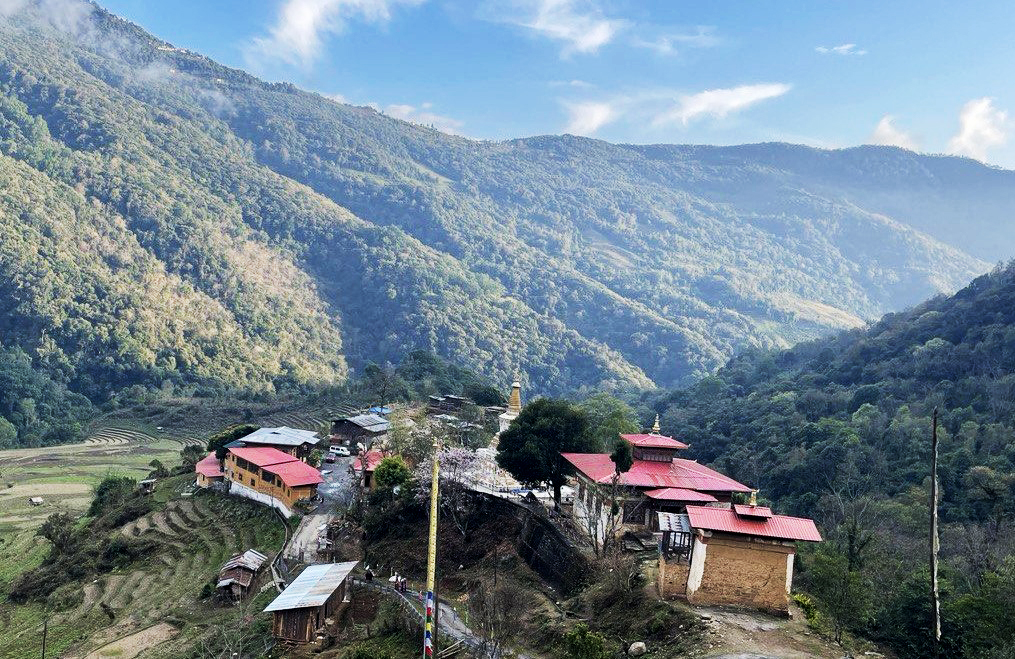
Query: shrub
(582, 643)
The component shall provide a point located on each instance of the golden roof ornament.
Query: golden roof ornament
(655, 426)
(754, 498)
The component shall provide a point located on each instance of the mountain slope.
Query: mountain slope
(840, 429)
(280, 237)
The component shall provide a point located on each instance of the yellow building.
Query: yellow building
(270, 476)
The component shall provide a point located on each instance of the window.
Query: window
(634, 513)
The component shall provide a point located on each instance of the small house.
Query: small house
(238, 573)
(362, 429)
(736, 556)
(295, 442)
(267, 475)
(209, 471)
(147, 486)
(364, 466)
(35, 501)
(312, 602)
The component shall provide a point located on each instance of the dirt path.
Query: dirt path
(303, 546)
(129, 647)
(752, 635)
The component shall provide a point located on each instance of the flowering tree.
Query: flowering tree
(457, 500)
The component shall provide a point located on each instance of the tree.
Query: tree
(59, 530)
(158, 469)
(458, 502)
(218, 441)
(847, 595)
(530, 449)
(384, 384)
(8, 433)
(191, 455)
(391, 472)
(622, 457)
(609, 417)
(110, 493)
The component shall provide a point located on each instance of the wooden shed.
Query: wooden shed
(318, 594)
(238, 573)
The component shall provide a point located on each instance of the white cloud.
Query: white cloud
(587, 117)
(671, 44)
(981, 127)
(578, 23)
(297, 35)
(845, 49)
(575, 84)
(422, 115)
(888, 134)
(719, 103)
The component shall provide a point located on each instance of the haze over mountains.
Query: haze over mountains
(167, 219)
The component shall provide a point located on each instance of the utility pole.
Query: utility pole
(45, 628)
(935, 598)
(430, 628)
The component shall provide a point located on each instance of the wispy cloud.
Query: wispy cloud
(720, 103)
(888, 134)
(424, 115)
(588, 117)
(981, 128)
(579, 24)
(297, 35)
(672, 44)
(845, 49)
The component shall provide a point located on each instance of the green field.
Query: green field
(156, 605)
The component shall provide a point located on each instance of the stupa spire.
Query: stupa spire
(655, 426)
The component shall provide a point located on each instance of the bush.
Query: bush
(582, 643)
(66, 597)
(815, 619)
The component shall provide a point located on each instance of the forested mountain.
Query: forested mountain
(167, 221)
(840, 428)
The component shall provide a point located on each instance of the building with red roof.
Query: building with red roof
(658, 480)
(209, 471)
(364, 466)
(741, 555)
(271, 476)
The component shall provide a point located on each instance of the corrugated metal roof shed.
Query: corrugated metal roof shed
(281, 436)
(370, 422)
(250, 559)
(674, 522)
(313, 587)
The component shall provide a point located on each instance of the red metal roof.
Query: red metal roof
(681, 473)
(209, 467)
(373, 457)
(776, 526)
(679, 494)
(262, 456)
(294, 474)
(653, 441)
(752, 511)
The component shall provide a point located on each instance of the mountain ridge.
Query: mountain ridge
(573, 260)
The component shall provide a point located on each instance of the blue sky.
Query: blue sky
(930, 75)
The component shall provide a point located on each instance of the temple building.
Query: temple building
(657, 481)
(514, 407)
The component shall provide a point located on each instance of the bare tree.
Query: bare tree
(495, 608)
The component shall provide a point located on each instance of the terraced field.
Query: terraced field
(194, 536)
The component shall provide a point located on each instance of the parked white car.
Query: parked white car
(339, 451)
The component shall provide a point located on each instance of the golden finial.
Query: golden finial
(754, 498)
(655, 426)
(515, 401)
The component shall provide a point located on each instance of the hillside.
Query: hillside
(169, 222)
(840, 429)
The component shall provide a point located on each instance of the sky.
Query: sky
(927, 75)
